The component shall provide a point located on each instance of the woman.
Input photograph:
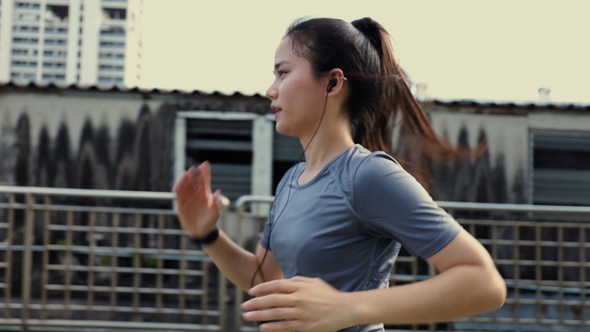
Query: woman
(339, 218)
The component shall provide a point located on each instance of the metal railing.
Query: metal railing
(541, 251)
(103, 259)
(118, 260)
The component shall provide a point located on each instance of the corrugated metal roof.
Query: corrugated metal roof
(530, 105)
(512, 104)
(116, 88)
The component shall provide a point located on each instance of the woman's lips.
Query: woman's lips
(276, 110)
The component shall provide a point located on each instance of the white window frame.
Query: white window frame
(262, 143)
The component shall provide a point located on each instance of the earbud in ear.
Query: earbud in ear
(331, 85)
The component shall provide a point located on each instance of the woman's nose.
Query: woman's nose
(272, 92)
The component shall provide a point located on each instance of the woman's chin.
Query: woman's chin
(284, 131)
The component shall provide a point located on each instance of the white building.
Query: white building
(86, 42)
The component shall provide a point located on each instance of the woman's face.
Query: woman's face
(297, 96)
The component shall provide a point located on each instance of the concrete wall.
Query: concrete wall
(93, 139)
(503, 174)
(500, 173)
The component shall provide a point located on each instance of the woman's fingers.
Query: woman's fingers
(273, 287)
(217, 200)
(198, 208)
(280, 286)
(273, 314)
(204, 176)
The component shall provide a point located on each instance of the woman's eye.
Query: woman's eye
(281, 73)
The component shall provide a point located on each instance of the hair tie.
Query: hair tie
(370, 30)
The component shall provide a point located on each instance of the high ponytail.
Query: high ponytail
(379, 98)
(371, 30)
(419, 141)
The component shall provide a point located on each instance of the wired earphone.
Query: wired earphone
(331, 84)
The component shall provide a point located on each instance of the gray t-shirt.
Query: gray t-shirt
(346, 225)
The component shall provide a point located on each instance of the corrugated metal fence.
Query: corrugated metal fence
(115, 260)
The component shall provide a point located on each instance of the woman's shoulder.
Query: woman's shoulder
(360, 165)
(359, 158)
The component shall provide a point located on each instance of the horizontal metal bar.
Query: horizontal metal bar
(123, 194)
(112, 324)
(88, 208)
(513, 207)
(254, 198)
(118, 230)
(139, 290)
(527, 321)
(197, 255)
(471, 206)
(533, 243)
(541, 263)
(105, 268)
(109, 308)
(112, 251)
(95, 193)
(143, 310)
(550, 289)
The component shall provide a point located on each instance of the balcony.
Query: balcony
(25, 41)
(29, 57)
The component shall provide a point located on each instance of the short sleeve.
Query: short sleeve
(391, 203)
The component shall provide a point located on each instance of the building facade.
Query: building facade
(71, 41)
(537, 153)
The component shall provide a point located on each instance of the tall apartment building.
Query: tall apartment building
(86, 42)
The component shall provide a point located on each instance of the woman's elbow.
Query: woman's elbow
(496, 291)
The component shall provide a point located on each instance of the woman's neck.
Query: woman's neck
(332, 138)
(320, 152)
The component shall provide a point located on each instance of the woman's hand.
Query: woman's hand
(298, 304)
(198, 208)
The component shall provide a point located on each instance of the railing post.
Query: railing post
(238, 292)
(27, 259)
(222, 297)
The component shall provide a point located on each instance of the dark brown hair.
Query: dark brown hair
(379, 96)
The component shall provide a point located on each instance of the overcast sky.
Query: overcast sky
(501, 50)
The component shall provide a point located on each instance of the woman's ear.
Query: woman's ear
(336, 81)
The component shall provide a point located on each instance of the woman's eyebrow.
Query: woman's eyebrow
(279, 64)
